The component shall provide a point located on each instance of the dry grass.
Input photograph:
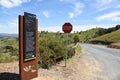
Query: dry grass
(115, 45)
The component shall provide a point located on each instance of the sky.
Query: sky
(52, 14)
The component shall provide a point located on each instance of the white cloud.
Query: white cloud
(82, 27)
(71, 15)
(102, 9)
(13, 23)
(102, 5)
(10, 27)
(12, 3)
(51, 28)
(114, 16)
(39, 0)
(104, 2)
(75, 27)
(46, 14)
(77, 9)
(69, 1)
(118, 6)
(61, 0)
(0, 26)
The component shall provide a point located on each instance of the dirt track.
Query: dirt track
(78, 68)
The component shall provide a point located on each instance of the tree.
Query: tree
(76, 39)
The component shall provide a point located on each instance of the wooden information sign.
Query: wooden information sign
(28, 46)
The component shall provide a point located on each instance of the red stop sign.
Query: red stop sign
(67, 28)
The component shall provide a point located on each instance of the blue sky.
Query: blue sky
(52, 14)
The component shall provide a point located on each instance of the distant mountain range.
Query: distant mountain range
(6, 36)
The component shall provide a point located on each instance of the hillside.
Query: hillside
(103, 31)
(108, 38)
(86, 35)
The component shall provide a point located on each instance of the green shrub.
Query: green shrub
(5, 58)
(8, 51)
(44, 59)
(76, 39)
(51, 46)
(71, 52)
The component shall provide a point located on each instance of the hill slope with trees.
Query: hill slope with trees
(108, 38)
(87, 36)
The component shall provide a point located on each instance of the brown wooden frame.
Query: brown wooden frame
(22, 64)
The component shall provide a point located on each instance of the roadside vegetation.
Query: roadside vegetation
(52, 48)
(78, 50)
(85, 36)
(8, 50)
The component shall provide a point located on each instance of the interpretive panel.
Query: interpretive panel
(29, 33)
(28, 46)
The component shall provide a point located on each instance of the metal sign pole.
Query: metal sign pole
(67, 28)
(66, 49)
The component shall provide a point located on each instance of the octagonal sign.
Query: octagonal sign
(67, 27)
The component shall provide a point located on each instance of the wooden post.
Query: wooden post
(27, 69)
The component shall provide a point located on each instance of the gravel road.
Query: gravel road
(108, 59)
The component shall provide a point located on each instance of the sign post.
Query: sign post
(28, 46)
(67, 28)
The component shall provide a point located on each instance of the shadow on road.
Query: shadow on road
(9, 76)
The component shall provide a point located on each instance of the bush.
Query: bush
(44, 59)
(71, 52)
(76, 39)
(8, 51)
(5, 58)
(51, 47)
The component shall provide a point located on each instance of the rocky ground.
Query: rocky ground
(78, 68)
